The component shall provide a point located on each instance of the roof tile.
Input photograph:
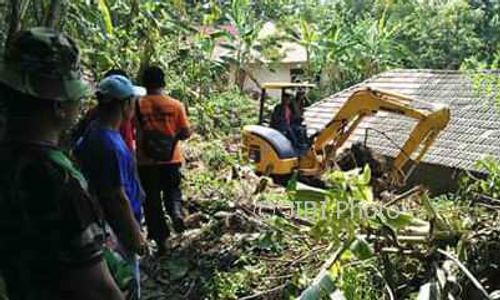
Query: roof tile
(473, 131)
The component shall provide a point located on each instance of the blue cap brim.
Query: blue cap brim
(139, 91)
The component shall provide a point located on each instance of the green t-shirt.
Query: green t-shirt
(48, 222)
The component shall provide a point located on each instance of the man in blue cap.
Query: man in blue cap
(111, 169)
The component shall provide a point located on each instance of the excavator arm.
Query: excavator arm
(368, 102)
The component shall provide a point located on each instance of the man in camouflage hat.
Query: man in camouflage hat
(50, 228)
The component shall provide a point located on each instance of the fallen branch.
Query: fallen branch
(307, 255)
(395, 250)
(323, 281)
(263, 293)
(287, 276)
(467, 273)
(488, 206)
(414, 191)
(414, 239)
(187, 295)
(486, 199)
(266, 258)
(252, 216)
(390, 293)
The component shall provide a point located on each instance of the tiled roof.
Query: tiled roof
(472, 133)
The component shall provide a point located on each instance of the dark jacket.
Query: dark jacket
(278, 120)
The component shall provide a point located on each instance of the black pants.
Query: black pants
(297, 134)
(162, 186)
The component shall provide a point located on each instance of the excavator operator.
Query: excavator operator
(287, 118)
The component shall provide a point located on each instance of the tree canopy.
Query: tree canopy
(349, 40)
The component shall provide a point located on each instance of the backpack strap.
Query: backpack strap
(138, 112)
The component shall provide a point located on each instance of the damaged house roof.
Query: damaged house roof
(472, 133)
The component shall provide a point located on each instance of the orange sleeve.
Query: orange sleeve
(182, 119)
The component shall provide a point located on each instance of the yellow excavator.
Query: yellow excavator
(274, 155)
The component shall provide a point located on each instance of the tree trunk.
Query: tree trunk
(37, 12)
(17, 12)
(240, 77)
(63, 10)
(14, 22)
(147, 52)
(252, 77)
(52, 14)
(308, 64)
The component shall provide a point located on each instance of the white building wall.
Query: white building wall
(281, 74)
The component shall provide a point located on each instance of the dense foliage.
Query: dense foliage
(345, 41)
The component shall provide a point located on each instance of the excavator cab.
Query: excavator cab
(263, 144)
(284, 87)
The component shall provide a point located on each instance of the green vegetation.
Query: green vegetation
(345, 41)
(244, 244)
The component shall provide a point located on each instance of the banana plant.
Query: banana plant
(378, 47)
(336, 45)
(308, 36)
(243, 45)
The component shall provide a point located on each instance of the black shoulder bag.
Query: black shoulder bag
(156, 144)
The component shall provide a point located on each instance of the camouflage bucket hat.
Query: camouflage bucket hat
(45, 64)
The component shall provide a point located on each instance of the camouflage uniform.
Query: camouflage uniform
(49, 224)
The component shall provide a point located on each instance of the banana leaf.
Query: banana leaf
(103, 7)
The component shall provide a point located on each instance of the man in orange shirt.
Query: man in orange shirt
(162, 114)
